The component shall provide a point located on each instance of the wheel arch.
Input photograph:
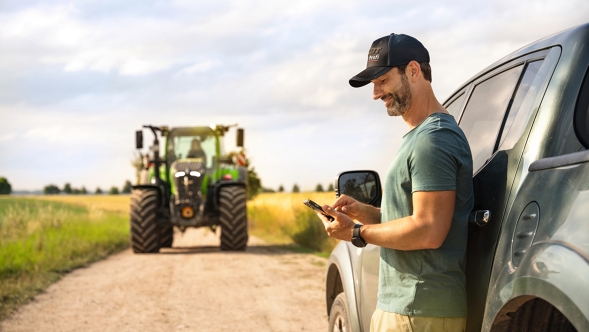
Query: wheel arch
(340, 277)
(553, 273)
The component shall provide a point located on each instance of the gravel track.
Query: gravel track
(191, 287)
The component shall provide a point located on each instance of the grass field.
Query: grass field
(44, 237)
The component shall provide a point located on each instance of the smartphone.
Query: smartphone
(317, 208)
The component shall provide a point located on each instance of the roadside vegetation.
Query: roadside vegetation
(281, 218)
(42, 239)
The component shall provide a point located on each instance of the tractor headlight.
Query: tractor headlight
(195, 173)
(179, 174)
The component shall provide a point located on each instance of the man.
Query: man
(422, 224)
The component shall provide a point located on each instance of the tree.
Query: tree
(295, 188)
(98, 191)
(67, 189)
(5, 187)
(51, 190)
(83, 191)
(281, 189)
(127, 187)
(75, 191)
(113, 191)
(319, 188)
(330, 188)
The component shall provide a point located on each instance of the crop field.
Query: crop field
(44, 237)
(282, 218)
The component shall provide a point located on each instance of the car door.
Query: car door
(494, 119)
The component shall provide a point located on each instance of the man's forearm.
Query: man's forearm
(371, 215)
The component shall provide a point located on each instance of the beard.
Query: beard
(401, 99)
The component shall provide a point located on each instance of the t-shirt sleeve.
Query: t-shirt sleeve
(434, 161)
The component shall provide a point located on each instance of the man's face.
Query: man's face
(393, 89)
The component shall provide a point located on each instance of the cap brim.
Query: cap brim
(367, 75)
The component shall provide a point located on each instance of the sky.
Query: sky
(77, 78)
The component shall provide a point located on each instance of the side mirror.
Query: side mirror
(139, 139)
(363, 186)
(240, 137)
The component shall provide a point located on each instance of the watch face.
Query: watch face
(358, 242)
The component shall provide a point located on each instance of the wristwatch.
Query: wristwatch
(357, 240)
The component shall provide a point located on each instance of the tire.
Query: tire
(539, 315)
(233, 218)
(144, 231)
(166, 234)
(339, 319)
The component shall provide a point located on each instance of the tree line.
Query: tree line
(297, 189)
(67, 189)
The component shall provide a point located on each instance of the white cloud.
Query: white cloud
(202, 66)
(81, 77)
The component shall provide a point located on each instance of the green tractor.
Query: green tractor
(192, 185)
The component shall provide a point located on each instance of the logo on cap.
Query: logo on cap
(373, 54)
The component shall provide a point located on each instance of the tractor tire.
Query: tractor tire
(233, 218)
(144, 231)
(166, 234)
(339, 319)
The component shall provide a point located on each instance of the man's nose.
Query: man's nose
(376, 92)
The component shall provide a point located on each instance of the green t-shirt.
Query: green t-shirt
(430, 283)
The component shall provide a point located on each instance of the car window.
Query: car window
(581, 121)
(454, 107)
(484, 112)
(521, 107)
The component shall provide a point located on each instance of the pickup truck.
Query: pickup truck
(526, 118)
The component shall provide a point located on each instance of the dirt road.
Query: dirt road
(192, 287)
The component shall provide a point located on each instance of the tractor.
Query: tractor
(194, 184)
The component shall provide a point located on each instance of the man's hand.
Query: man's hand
(341, 227)
(366, 214)
(351, 207)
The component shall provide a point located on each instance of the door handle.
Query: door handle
(480, 217)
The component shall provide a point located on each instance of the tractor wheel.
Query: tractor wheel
(144, 231)
(233, 218)
(339, 320)
(166, 233)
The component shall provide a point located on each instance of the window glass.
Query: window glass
(521, 108)
(191, 143)
(454, 107)
(484, 112)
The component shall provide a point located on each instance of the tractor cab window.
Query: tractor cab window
(191, 145)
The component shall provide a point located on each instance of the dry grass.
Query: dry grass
(282, 218)
(110, 203)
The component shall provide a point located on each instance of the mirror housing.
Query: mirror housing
(139, 139)
(363, 186)
(240, 137)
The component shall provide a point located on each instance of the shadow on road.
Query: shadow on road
(253, 249)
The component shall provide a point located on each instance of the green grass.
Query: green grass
(42, 240)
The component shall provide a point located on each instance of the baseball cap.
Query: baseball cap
(388, 52)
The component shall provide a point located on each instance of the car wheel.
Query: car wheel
(339, 320)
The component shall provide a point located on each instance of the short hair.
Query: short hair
(425, 69)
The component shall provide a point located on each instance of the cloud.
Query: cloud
(81, 77)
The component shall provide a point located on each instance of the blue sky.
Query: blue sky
(77, 78)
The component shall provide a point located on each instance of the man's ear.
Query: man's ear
(413, 70)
